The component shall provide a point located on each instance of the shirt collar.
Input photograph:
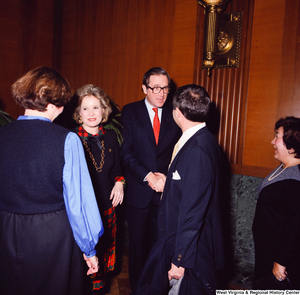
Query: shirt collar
(151, 112)
(189, 133)
(23, 117)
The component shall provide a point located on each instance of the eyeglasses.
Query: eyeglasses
(158, 89)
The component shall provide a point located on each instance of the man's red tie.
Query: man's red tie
(156, 125)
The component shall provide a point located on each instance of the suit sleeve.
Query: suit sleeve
(196, 185)
(127, 151)
(117, 169)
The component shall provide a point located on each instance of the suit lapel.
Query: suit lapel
(147, 124)
(170, 173)
(172, 167)
(144, 120)
(165, 121)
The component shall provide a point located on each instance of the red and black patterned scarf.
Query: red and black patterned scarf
(91, 139)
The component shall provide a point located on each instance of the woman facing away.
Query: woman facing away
(276, 226)
(102, 156)
(48, 210)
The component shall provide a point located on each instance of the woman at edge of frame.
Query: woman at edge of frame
(277, 218)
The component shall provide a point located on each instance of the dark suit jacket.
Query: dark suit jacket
(153, 279)
(139, 152)
(190, 202)
(189, 222)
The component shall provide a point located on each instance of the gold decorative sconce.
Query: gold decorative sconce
(222, 36)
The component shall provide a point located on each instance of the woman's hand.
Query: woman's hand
(117, 194)
(92, 264)
(279, 272)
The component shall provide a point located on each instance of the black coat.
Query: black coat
(190, 206)
(104, 181)
(189, 222)
(139, 152)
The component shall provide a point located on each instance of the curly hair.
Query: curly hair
(39, 87)
(291, 133)
(97, 92)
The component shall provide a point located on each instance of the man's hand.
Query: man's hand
(279, 272)
(92, 264)
(156, 181)
(175, 272)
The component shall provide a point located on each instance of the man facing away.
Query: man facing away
(190, 201)
(150, 134)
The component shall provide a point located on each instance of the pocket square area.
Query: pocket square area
(176, 175)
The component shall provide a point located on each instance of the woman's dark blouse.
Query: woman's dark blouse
(104, 181)
(276, 226)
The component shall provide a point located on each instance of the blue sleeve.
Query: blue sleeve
(79, 197)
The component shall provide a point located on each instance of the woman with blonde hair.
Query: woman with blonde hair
(102, 156)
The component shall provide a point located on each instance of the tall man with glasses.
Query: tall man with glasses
(150, 134)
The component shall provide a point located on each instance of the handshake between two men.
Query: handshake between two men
(156, 181)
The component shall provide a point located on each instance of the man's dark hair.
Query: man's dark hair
(193, 101)
(154, 71)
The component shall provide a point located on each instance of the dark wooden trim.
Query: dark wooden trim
(228, 88)
(251, 170)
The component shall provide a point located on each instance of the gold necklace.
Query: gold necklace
(98, 169)
(272, 176)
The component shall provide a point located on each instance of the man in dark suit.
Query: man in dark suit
(150, 134)
(190, 203)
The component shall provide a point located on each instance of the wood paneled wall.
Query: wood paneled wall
(26, 36)
(263, 89)
(228, 87)
(112, 43)
(274, 78)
